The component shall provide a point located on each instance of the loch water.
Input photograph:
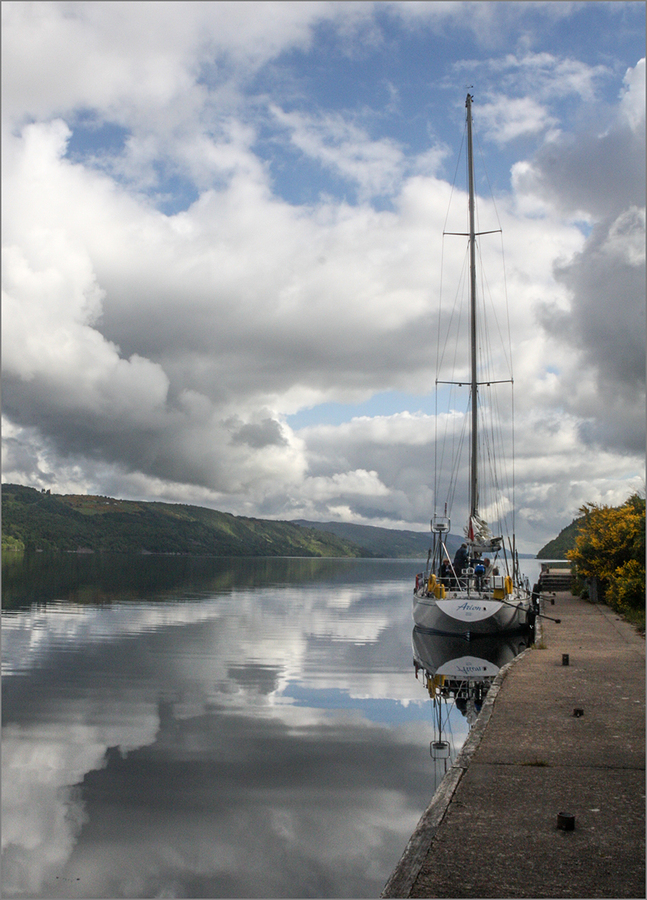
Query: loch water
(204, 727)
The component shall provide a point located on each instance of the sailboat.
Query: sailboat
(480, 590)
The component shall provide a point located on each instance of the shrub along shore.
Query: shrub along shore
(610, 548)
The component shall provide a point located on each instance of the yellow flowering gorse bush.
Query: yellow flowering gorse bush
(610, 546)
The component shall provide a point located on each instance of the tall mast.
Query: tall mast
(472, 244)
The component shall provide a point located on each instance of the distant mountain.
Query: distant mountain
(385, 542)
(565, 540)
(37, 520)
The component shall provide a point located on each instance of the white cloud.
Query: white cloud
(632, 96)
(170, 349)
(356, 483)
(604, 319)
(256, 302)
(507, 118)
(550, 76)
(124, 58)
(376, 166)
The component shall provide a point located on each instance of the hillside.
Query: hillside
(385, 542)
(32, 519)
(565, 540)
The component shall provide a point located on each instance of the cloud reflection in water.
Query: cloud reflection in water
(250, 742)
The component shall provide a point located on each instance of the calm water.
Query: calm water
(180, 727)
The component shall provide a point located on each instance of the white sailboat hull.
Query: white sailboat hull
(460, 613)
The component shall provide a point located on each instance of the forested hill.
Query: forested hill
(565, 540)
(35, 520)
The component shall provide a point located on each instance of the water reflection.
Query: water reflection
(93, 578)
(208, 728)
(457, 675)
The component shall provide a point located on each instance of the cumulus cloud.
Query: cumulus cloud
(166, 310)
(506, 119)
(604, 322)
(632, 96)
(229, 322)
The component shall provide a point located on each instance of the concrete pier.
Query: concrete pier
(561, 734)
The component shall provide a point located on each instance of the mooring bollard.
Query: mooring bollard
(565, 660)
(566, 821)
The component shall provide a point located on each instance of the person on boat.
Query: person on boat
(479, 571)
(446, 573)
(461, 560)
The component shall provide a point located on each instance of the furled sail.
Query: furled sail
(479, 537)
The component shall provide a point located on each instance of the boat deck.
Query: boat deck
(552, 739)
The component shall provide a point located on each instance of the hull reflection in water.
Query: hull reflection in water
(457, 675)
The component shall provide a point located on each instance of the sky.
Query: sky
(222, 249)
